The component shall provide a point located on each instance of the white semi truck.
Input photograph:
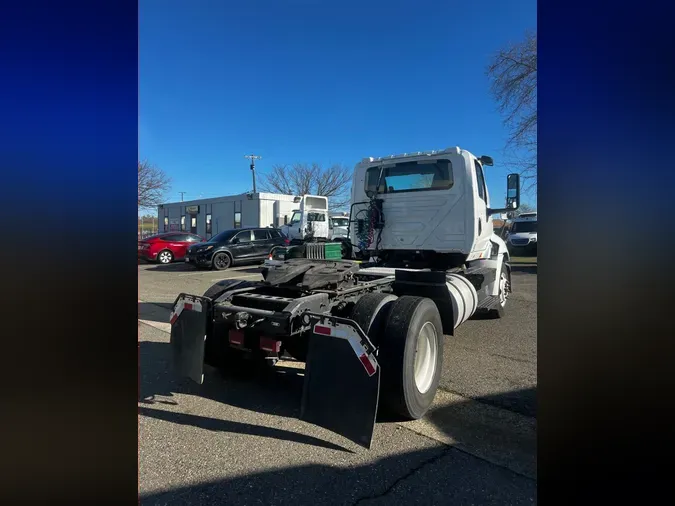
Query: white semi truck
(310, 220)
(340, 226)
(371, 334)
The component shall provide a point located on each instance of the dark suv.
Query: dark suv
(237, 246)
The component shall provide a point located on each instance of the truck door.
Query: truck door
(318, 223)
(482, 223)
(296, 226)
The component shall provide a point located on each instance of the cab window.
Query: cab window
(410, 177)
(297, 216)
(480, 181)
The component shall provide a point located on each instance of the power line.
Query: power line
(253, 158)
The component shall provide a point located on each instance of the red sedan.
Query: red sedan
(168, 247)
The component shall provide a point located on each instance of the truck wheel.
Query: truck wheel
(411, 357)
(504, 282)
(370, 313)
(221, 261)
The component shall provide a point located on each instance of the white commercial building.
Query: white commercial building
(208, 217)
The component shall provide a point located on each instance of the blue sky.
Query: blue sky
(316, 81)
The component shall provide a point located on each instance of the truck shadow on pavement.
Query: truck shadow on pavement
(271, 392)
(439, 474)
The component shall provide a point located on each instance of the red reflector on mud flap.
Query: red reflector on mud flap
(236, 337)
(269, 344)
(181, 305)
(368, 361)
(324, 331)
(367, 364)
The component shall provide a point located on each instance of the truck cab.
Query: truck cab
(339, 226)
(310, 220)
(425, 204)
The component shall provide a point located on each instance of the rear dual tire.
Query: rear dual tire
(409, 334)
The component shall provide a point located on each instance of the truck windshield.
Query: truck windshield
(341, 222)
(524, 226)
(297, 216)
(411, 176)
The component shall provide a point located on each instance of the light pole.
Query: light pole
(253, 158)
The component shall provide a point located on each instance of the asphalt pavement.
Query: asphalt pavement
(239, 439)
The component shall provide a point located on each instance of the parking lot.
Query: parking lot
(239, 440)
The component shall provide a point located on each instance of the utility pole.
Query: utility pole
(253, 158)
(181, 195)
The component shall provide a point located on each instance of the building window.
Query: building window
(166, 223)
(182, 223)
(208, 223)
(237, 220)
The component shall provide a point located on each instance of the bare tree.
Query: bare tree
(301, 178)
(153, 184)
(513, 79)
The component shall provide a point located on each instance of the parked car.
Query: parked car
(522, 235)
(237, 246)
(167, 247)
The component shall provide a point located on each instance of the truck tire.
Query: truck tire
(371, 311)
(504, 282)
(411, 357)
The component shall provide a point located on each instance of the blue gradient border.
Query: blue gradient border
(68, 148)
(605, 188)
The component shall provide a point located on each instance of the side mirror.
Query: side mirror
(235, 241)
(512, 195)
(486, 161)
(513, 192)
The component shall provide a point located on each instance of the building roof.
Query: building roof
(240, 196)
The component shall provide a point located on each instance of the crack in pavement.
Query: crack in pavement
(406, 476)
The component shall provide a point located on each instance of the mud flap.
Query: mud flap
(189, 322)
(342, 380)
